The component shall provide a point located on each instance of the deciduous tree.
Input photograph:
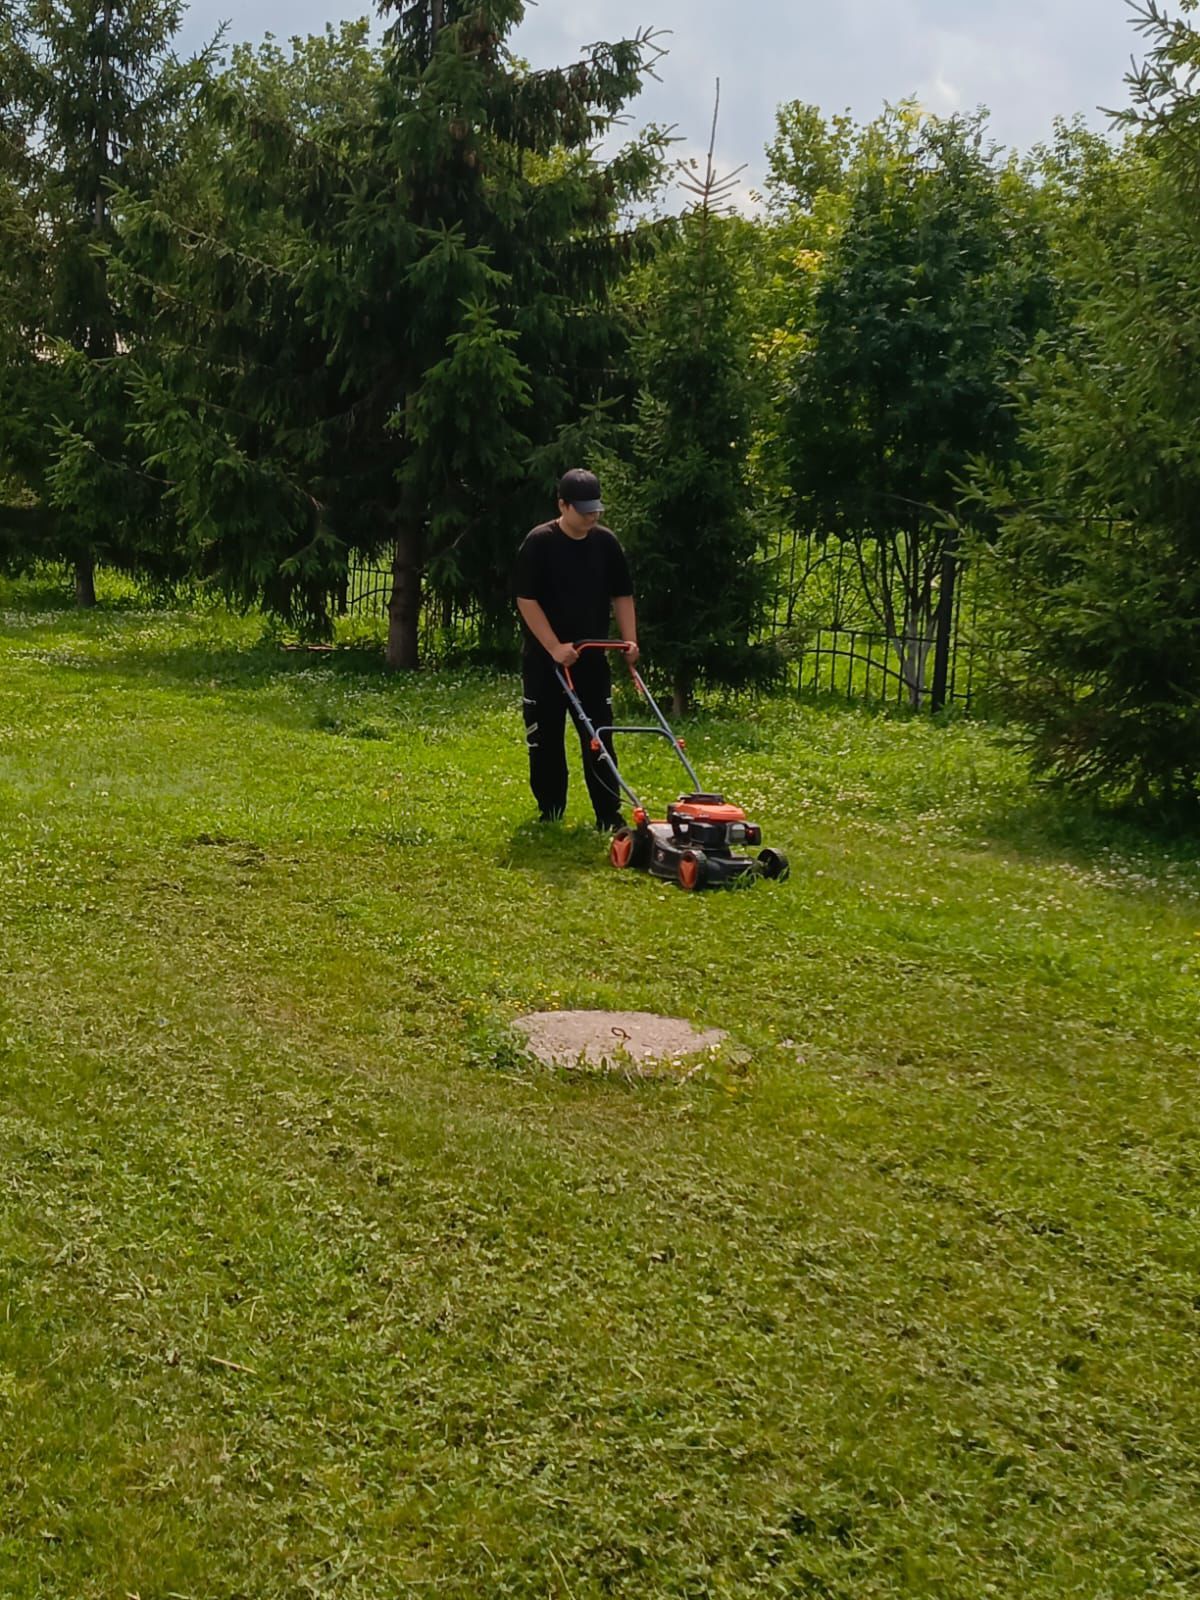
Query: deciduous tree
(928, 294)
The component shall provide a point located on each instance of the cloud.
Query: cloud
(941, 97)
(1027, 60)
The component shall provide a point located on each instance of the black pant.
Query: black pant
(545, 708)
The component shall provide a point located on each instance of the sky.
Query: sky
(1027, 61)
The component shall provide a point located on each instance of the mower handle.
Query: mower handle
(601, 644)
(594, 734)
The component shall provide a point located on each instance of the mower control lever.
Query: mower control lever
(581, 645)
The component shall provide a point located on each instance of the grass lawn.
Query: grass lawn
(310, 1284)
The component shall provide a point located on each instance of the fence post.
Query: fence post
(944, 623)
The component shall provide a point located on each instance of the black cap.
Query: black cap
(581, 489)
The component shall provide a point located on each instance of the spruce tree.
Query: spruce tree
(89, 90)
(1098, 541)
(506, 252)
(687, 495)
(402, 310)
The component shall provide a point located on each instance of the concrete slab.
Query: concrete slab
(638, 1038)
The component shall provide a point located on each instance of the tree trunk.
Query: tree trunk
(912, 651)
(85, 582)
(944, 624)
(103, 110)
(404, 606)
(916, 660)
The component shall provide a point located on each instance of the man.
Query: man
(570, 573)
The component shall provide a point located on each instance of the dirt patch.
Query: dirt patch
(637, 1038)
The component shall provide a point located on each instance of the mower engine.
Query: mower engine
(709, 821)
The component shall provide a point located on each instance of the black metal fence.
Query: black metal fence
(820, 618)
(368, 586)
(445, 628)
(829, 629)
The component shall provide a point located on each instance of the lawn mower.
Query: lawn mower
(694, 846)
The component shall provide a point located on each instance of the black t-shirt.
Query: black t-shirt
(573, 580)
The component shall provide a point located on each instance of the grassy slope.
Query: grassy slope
(309, 1285)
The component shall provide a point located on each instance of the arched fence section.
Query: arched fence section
(826, 621)
(830, 623)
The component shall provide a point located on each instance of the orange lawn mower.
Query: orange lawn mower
(694, 846)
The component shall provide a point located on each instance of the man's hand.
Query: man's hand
(632, 654)
(565, 655)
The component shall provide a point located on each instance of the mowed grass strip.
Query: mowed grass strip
(310, 1283)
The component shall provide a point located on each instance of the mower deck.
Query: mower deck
(694, 846)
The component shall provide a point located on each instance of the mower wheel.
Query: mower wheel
(774, 864)
(628, 848)
(693, 870)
